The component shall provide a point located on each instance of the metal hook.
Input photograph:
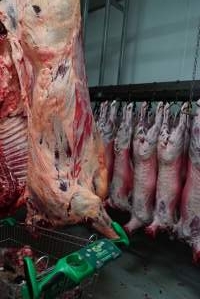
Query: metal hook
(189, 113)
(176, 115)
(119, 110)
(95, 107)
(134, 106)
(44, 257)
(92, 238)
(187, 110)
(129, 98)
(149, 106)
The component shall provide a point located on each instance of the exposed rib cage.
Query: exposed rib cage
(13, 158)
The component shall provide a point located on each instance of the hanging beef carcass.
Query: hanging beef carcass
(188, 227)
(66, 161)
(107, 128)
(13, 122)
(145, 168)
(122, 182)
(169, 182)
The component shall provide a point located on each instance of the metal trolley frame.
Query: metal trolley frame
(49, 246)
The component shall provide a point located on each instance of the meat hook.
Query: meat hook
(189, 113)
(134, 106)
(187, 110)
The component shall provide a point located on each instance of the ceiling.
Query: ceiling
(96, 4)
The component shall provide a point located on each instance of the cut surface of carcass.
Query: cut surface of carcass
(13, 121)
(66, 160)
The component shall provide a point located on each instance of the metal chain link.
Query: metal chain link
(196, 56)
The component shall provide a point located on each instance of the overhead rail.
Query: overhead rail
(167, 91)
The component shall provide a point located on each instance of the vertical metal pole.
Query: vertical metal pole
(123, 41)
(104, 42)
(85, 16)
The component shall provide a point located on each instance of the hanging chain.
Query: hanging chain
(196, 56)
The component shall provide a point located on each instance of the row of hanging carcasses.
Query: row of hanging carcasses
(153, 162)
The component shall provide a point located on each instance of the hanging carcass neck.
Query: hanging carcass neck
(171, 138)
(107, 126)
(123, 138)
(102, 116)
(145, 138)
(194, 150)
(164, 134)
(140, 129)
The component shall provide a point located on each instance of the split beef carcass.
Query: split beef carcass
(13, 121)
(66, 160)
(145, 168)
(107, 128)
(121, 188)
(188, 227)
(170, 165)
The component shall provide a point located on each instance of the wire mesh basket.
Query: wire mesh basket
(48, 246)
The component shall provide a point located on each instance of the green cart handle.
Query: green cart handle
(9, 221)
(31, 291)
(72, 266)
(123, 238)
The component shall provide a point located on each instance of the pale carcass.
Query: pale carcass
(107, 128)
(170, 165)
(188, 227)
(122, 183)
(145, 168)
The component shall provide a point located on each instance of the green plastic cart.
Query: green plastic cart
(71, 262)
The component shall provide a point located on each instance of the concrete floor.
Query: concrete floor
(163, 271)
